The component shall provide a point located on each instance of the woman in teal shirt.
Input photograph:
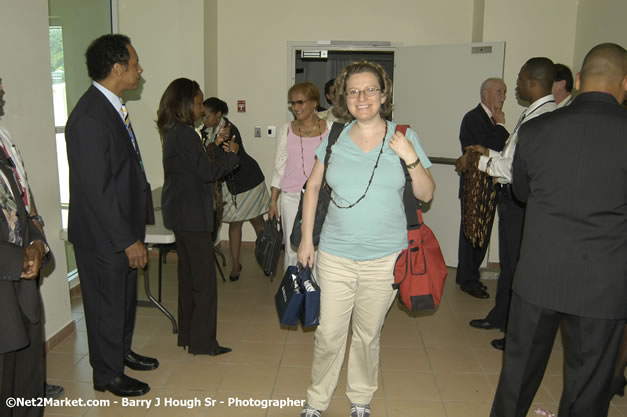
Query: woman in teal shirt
(363, 233)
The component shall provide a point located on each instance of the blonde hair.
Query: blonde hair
(308, 89)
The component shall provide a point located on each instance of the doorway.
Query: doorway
(318, 70)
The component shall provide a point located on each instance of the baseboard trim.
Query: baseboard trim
(60, 336)
(75, 291)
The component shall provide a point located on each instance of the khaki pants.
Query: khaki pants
(363, 290)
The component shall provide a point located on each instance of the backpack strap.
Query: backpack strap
(411, 203)
(336, 129)
(334, 134)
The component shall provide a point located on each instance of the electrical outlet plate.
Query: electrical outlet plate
(257, 131)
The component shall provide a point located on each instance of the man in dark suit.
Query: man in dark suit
(109, 199)
(484, 125)
(22, 253)
(571, 169)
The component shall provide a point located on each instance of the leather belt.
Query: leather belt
(506, 190)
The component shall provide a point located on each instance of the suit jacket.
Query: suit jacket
(477, 129)
(187, 198)
(247, 175)
(108, 188)
(571, 169)
(19, 298)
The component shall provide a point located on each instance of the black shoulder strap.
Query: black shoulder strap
(336, 129)
(411, 203)
(334, 134)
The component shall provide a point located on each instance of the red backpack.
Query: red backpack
(420, 271)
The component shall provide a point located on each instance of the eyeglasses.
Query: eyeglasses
(299, 102)
(368, 92)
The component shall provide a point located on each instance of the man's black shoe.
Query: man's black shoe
(138, 362)
(482, 324)
(52, 391)
(219, 351)
(498, 344)
(477, 292)
(124, 386)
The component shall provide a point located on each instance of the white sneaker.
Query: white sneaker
(358, 410)
(308, 411)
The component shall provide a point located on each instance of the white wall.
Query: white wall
(168, 37)
(25, 72)
(599, 21)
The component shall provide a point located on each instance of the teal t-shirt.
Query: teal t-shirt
(376, 226)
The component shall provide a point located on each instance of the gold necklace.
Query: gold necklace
(310, 131)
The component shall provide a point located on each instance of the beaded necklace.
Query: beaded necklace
(376, 164)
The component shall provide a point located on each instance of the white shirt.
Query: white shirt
(565, 102)
(500, 163)
(115, 101)
(327, 115)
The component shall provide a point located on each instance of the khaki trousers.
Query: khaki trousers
(363, 290)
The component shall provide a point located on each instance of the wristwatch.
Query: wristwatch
(39, 219)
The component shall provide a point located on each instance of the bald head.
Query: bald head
(604, 69)
(493, 93)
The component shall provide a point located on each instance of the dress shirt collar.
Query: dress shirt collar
(487, 110)
(115, 101)
(565, 102)
(538, 103)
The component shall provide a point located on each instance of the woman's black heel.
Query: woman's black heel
(236, 276)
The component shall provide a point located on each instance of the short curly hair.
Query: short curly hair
(104, 53)
(340, 109)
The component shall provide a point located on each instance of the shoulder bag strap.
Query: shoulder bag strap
(334, 134)
(411, 203)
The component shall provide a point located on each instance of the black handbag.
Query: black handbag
(324, 196)
(268, 247)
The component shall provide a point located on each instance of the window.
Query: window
(73, 25)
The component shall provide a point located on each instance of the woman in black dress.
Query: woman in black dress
(187, 204)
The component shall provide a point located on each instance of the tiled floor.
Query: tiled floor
(432, 364)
